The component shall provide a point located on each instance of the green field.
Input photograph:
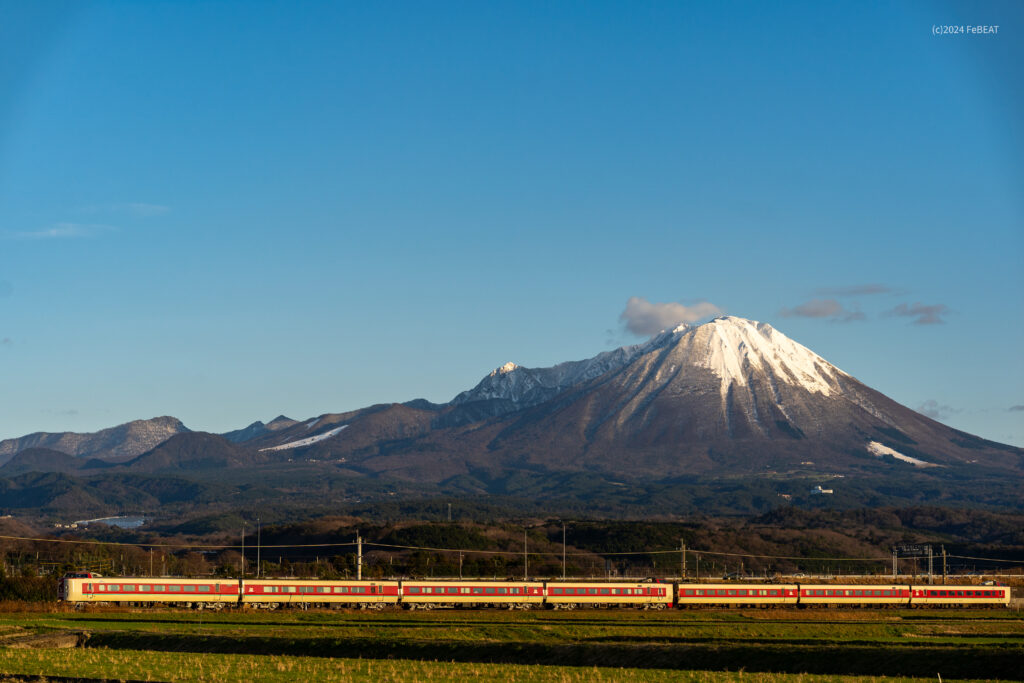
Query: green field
(753, 645)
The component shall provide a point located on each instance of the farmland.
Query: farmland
(755, 645)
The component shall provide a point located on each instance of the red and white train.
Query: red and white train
(85, 588)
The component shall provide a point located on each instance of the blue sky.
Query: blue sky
(224, 211)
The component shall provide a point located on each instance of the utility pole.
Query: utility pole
(563, 551)
(682, 559)
(931, 576)
(359, 557)
(257, 547)
(243, 550)
(460, 565)
(526, 558)
(698, 567)
(449, 512)
(151, 562)
(894, 564)
(943, 565)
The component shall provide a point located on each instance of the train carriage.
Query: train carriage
(149, 590)
(960, 596)
(657, 595)
(273, 592)
(838, 594)
(711, 594)
(430, 593)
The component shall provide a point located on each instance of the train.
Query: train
(86, 588)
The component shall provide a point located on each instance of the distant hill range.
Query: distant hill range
(730, 403)
(122, 442)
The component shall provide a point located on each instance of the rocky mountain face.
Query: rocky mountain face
(732, 402)
(258, 429)
(115, 444)
(732, 397)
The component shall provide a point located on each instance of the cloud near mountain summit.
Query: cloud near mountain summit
(644, 318)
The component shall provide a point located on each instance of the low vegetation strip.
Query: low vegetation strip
(979, 644)
(827, 659)
(101, 666)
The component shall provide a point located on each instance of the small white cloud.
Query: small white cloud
(62, 231)
(823, 308)
(932, 314)
(6, 341)
(935, 410)
(857, 290)
(644, 318)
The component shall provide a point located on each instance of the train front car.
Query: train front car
(278, 592)
(726, 594)
(125, 590)
(832, 595)
(428, 594)
(564, 594)
(960, 596)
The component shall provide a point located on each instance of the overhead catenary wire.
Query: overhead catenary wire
(514, 553)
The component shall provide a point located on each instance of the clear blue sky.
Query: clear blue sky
(224, 211)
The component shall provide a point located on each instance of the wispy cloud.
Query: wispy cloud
(856, 290)
(829, 309)
(62, 231)
(936, 410)
(1015, 409)
(6, 341)
(141, 209)
(932, 314)
(644, 318)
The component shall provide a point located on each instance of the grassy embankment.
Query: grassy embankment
(766, 645)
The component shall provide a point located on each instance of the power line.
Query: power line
(515, 553)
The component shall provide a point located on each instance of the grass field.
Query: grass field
(754, 645)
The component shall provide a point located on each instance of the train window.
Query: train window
(129, 588)
(144, 588)
(451, 590)
(501, 591)
(592, 591)
(604, 591)
(464, 590)
(731, 592)
(102, 587)
(204, 589)
(174, 589)
(190, 589)
(158, 589)
(489, 590)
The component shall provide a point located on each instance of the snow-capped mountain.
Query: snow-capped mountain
(730, 397)
(512, 387)
(732, 400)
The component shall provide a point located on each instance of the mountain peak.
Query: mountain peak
(504, 369)
(735, 348)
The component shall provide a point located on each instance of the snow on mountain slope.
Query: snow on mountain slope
(875, 448)
(732, 347)
(309, 441)
(523, 387)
